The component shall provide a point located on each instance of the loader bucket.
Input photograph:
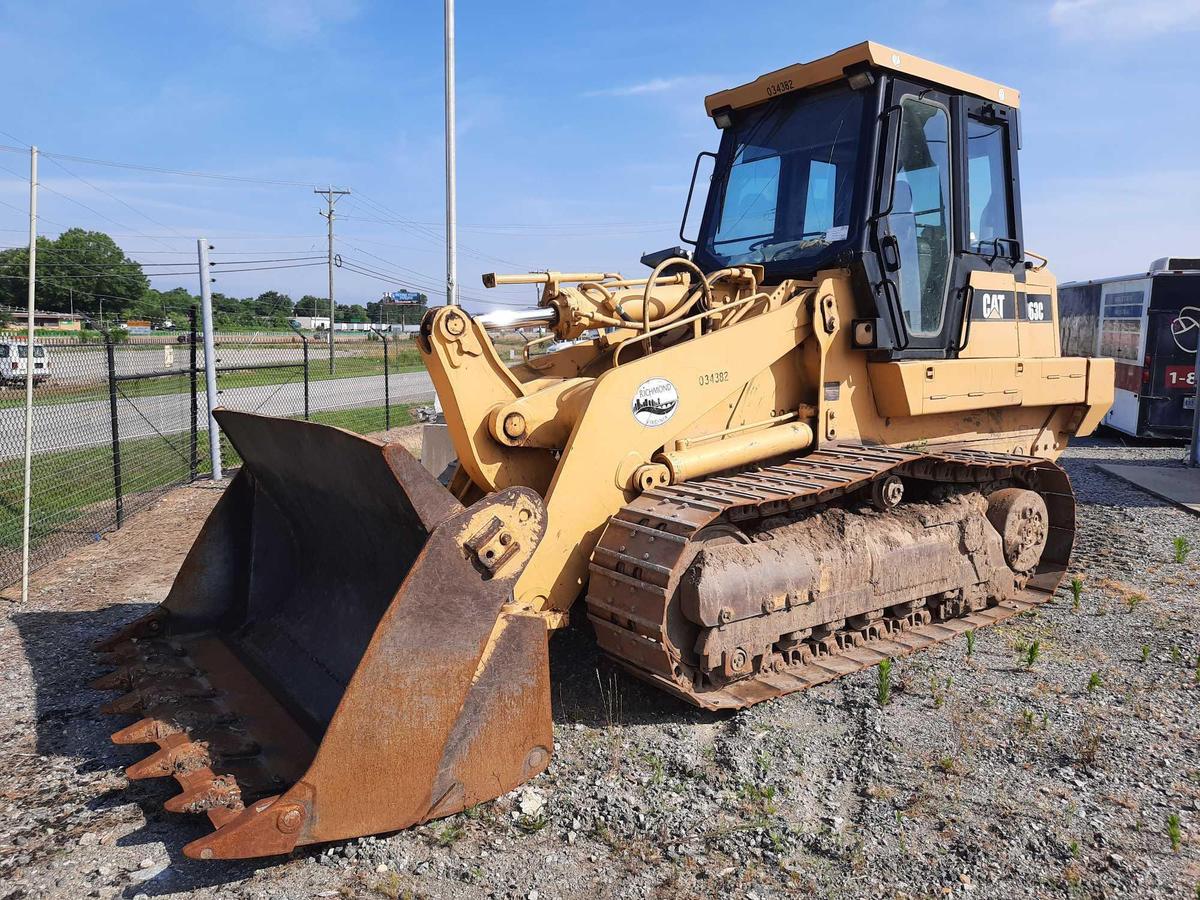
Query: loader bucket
(336, 657)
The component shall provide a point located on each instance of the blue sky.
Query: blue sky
(578, 124)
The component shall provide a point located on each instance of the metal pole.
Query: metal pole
(305, 343)
(332, 308)
(210, 359)
(451, 196)
(114, 428)
(387, 391)
(29, 312)
(194, 454)
(331, 197)
(1194, 450)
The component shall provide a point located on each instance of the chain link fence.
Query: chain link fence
(118, 420)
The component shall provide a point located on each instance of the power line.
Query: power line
(97, 273)
(274, 182)
(17, 139)
(434, 238)
(115, 197)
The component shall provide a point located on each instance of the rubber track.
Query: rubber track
(644, 550)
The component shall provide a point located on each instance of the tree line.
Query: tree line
(87, 273)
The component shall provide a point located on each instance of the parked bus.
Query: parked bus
(1150, 324)
(14, 361)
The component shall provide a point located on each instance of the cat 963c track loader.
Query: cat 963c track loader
(822, 437)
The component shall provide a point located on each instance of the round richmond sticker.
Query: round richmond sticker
(654, 402)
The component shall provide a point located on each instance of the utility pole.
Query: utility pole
(451, 196)
(210, 358)
(29, 312)
(331, 197)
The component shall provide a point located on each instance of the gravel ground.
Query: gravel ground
(983, 776)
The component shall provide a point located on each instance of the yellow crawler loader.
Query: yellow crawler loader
(821, 437)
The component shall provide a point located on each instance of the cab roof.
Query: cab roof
(832, 68)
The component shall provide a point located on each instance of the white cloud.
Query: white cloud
(1123, 18)
(653, 86)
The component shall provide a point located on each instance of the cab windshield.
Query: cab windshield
(784, 189)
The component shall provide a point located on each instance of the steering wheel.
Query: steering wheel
(759, 244)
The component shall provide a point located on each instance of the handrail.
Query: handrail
(1045, 261)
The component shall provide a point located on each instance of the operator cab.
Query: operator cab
(898, 169)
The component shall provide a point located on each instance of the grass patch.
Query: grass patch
(73, 388)
(74, 493)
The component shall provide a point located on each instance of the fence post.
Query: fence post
(304, 343)
(114, 427)
(387, 401)
(194, 454)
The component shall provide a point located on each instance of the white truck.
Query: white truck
(14, 362)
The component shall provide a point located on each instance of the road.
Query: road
(68, 426)
(76, 363)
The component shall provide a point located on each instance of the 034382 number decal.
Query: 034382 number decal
(713, 377)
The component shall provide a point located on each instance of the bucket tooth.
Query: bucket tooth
(181, 758)
(147, 627)
(116, 680)
(141, 651)
(167, 691)
(149, 730)
(165, 719)
(127, 677)
(208, 791)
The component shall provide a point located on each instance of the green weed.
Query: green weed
(448, 834)
(1093, 682)
(1145, 653)
(883, 682)
(971, 642)
(1076, 592)
(1182, 547)
(531, 824)
(1029, 723)
(1174, 832)
(1032, 653)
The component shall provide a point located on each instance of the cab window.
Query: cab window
(988, 186)
(919, 221)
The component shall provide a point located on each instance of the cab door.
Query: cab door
(1004, 319)
(914, 230)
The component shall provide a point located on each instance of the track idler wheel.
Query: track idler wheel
(1021, 519)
